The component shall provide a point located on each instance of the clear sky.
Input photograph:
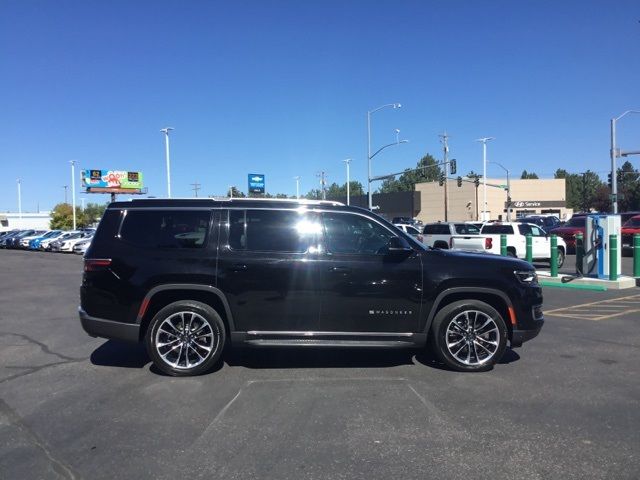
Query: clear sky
(283, 87)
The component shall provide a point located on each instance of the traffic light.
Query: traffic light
(477, 182)
(441, 179)
(609, 181)
(459, 181)
(453, 166)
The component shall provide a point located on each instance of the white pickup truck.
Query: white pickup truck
(516, 240)
(454, 235)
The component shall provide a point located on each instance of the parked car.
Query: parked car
(294, 273)
(410, 230)
(34, 244)
(438, 235)
(4, 236)
(626, 216)
(46, 244)
(516, 233)
(14, 241)
(568, 231)
(66, 244)
(81, 247)
(547, 222)
(629, 229)
(24, 241)
(407, 221)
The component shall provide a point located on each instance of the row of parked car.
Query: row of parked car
(74, 241)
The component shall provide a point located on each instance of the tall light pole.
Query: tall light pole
(73, 191)
(484, 141)
(65, 193)
(347, 161)
(297, 179)
(82, 199)
(19, 199)
(369, 156)
(508, 189)
(614, 155)
(166, 131)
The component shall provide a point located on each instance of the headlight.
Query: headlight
(528, 277)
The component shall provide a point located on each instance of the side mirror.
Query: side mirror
(398, 245)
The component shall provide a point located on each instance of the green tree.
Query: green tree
(62, 217)
(337, 192)
(528, 175)
(628, 187)
(237, 193)
(426, 170)
(92, 214)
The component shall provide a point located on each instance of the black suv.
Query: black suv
(188, 277)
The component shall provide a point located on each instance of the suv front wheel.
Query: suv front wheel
(469, 336)
(185, 338)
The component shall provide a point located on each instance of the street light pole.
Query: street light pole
(73, 191)
(484, 141)
(508, 190)
(19, 199)
(369, 156)
(614, 156)
(297, 179)
(166, 131)
(347, 161)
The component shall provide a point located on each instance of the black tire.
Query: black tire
(441, 245)
(511, 253)
(443, 332)
(200, 318)
(561, 257)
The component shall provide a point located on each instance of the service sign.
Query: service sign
(256, 183)
(117, 179)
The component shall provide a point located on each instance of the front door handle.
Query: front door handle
(340, 269)
(238, 267)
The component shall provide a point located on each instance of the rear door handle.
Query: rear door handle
(238, 267)
(340, 269)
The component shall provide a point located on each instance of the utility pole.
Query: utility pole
(444, 139)
(73, 191)
(65, 193)
(297, 179)
(323, 181)
(196, 187)
(19, 200)
(348, 162)
(166, 131)
(484, 141)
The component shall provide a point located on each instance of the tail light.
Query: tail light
(488, 243)
(95, 264)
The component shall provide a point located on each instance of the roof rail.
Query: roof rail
(302, 201)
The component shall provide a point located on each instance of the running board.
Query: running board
(329, 339)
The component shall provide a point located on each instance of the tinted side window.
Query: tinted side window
(524, 229)
(347, 233)
(444, 229)
(496, 229)
(412, 231)
(271, 230)
(429, 229)
(166, 229)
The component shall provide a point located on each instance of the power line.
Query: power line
(196, 187)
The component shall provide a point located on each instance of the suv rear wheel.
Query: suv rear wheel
(469, 336)
(185, 338)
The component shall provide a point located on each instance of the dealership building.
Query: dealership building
(24, 220)
(528, 197)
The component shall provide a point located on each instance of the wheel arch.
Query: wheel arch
(491, 296)
(162, 295)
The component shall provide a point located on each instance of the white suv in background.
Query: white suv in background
(438, 235)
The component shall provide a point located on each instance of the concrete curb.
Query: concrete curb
(585, 283)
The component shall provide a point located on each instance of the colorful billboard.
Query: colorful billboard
(118, 180)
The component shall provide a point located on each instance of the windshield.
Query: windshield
(508, 229)
(466, 229)
(576, 222)
(634, 222)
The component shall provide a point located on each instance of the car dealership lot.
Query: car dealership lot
(564, 405)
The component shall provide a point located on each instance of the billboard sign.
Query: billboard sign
(111, 180)
(256, 183)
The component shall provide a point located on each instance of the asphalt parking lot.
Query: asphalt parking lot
(566, 405)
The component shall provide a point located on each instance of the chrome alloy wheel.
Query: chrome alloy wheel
(186, 339)
(472, 337)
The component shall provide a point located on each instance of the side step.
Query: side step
(329, 339)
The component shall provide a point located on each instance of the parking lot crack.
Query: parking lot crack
(42, 346)
(62, 469)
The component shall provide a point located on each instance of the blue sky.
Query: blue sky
(283, 87)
